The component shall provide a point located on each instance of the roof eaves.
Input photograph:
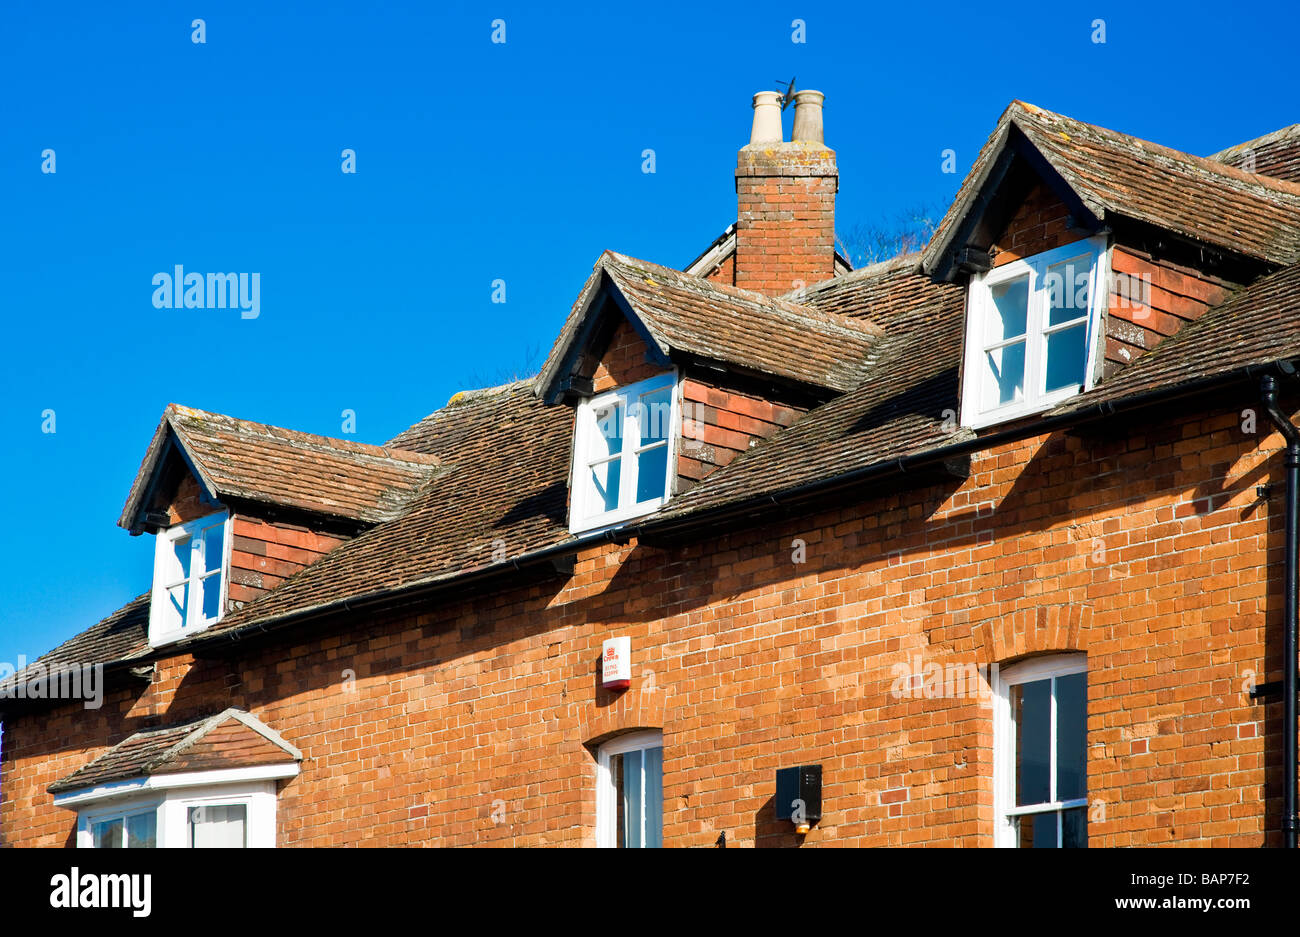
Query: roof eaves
(992, 161)
(575, 328)
(168, 434)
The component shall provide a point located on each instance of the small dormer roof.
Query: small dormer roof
(232, 738)
(1102, 175)
(683, 316)
(247, 461)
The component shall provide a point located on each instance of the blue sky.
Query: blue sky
(475, 162)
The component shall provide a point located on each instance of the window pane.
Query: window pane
(604, 480)
(212, 547)
(1010, 311)
(652, 473)
(178, 597)
(1066, 285)
(1006, 375)
(108, 834)
(609, 436)
(181, 550)
(209, 589)
(1067, 357)
(655, 415)
(1074, 828)
(219, 827)
(654, 798)
(1031, 709)
(632, 800)
(142, 831)
(620, 820)
(1037, 831)
(1071, 736)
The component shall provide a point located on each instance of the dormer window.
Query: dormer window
(623, 453)
(189, 577)
(1031, 332)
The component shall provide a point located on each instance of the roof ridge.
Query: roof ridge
(1149, 147)
(869, 272)
(776, 304)
(478, 393)
(464, 398)
(1282, 133)
(202, 728)
(301, 438)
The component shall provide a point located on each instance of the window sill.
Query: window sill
(612, 519)
(1010, 412)
(171, 637)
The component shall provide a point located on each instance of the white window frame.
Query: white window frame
(979, 306)
(607, 792)
(161, 627)
(582, 514)
(173, 795)
(1004, 742)
(88, 819)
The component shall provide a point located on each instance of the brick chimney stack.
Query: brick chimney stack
(785, 230)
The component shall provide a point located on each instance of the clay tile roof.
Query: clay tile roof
(897, 410)
(230, 739)
(724, 323)
(283, 467)
(503, 493)
(1114, 173)
(1275, 154)
(883, 291)
(121, 636)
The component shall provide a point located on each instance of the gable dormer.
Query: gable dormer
(671, 376)
(1082, 249)
(236, 508)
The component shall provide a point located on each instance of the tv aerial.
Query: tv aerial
(788, 94)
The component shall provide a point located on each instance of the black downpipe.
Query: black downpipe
(1268, 391)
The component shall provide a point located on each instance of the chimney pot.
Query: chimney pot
(785, 200)
(808, 117)
(767, 118)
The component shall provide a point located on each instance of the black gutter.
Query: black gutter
(1268, 393)
(965, 447)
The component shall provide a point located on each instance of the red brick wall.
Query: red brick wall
(1151, 300)
(1040, 224)
(785, 229)
(187, 503)
(624, 361)
(725, 272)
(718, 424)
(265, 554)
(468, 722)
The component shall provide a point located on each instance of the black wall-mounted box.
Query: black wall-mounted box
(802, 783)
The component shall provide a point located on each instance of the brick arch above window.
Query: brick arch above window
(633, 710)
(1031, 631)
